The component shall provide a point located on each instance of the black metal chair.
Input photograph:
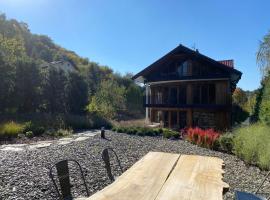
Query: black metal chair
(106, 159)
(250, 196)
(64, 179)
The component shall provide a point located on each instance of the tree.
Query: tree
(263, 55)
(7, 77)
(55, 90)
(264, 111)
(77, 93)
(108, 100)
(11, 49)
(134, 99)
(27, 86)
(239, 97)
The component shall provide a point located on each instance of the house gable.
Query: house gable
(183, 63)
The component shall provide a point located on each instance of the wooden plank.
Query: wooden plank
(142, 181)
(194, 178)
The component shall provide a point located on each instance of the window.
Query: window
(183, 68)
(204, 94)
(174, 119)
(166, 95)
(212, 94)
(182, 94)
(173, 96)
(166, 118)
(196, 94)
(182, 119)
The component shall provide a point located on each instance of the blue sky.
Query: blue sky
(129, 35)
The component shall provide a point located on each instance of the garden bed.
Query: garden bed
(24, 175)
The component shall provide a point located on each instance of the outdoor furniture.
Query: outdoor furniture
(106, 159)
(166, 176)
(62, 169)
(250, 196)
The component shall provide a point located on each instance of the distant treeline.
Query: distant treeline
(256, 104)
(26, 87)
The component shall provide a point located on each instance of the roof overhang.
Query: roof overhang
(234, 74)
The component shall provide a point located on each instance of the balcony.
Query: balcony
(184, 103)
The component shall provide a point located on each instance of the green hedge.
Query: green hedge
(224, 143)
(145, 131)
(252, 144)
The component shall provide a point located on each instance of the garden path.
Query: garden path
(81, 136)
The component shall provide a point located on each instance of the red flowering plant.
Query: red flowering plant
(205, 138)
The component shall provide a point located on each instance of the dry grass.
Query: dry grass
(129, 123)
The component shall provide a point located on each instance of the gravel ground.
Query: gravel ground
(24, 174)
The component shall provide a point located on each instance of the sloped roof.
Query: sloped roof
(183, 49)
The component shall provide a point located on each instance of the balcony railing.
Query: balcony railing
(186, 106)
(171, 104)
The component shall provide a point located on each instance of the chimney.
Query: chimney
(228, 63)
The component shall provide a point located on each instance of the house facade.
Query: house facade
(65, 65)
(186, 89)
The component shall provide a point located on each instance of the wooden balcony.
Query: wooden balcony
(188, 106)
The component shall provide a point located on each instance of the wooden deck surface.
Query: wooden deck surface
(165, 176)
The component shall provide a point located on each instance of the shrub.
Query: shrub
(34, 128)
(140, 131)
(252, 144)
(10, 129)
(78, 122)
(29, 134)
(167, 133)
(226, 142)
(131, 130)
(63, 132)
(205, 138)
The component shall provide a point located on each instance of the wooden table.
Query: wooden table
(165, 176)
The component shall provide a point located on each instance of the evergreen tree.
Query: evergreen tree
(7, 77)
(55, 90)
(27, 86)
(77, 93)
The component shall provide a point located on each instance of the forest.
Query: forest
(28, 91)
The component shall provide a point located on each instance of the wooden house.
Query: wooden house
(186, 89)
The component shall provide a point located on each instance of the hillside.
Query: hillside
(28, 88)
(38, 47)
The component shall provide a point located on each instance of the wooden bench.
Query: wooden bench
(166, 176)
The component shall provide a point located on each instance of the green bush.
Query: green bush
(216, 145)
(114, 129)
(167, 133)
(78, 122)
(252, 144)
(29, 134)
(36, 129)
(264, 109)
(11, 129)
(140, 131)
(226, 142)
